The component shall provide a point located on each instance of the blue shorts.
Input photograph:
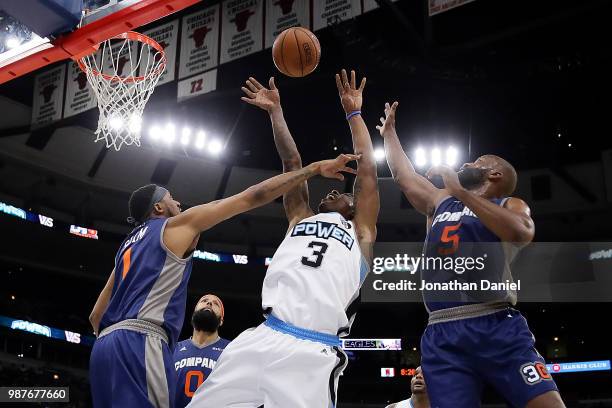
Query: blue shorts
(131, 369)
(460, 356)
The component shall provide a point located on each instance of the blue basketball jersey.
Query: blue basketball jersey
(150, 281)
(456, 234)
(193, 365)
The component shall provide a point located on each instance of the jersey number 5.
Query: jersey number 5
(315, 259)
(446, 237)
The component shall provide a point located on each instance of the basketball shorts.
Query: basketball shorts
(277, 365)
(460, 356)
(131, 369)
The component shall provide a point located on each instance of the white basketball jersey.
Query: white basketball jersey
(315, 275)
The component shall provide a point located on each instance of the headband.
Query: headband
(157, 196)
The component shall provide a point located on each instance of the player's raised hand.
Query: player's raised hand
(332, 168)
(388, 122)
(351, 97)
(259, 95)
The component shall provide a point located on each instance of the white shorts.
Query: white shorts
(263, 366)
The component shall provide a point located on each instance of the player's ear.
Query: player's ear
(221, 322)
(158, 208)
(495, 175)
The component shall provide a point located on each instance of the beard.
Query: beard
(470, 178)
(205, 320)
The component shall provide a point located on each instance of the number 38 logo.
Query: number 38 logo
(533, 373)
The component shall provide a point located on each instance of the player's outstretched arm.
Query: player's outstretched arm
(182, 229)
(296, 200)
(365, 190)
(102, 303)
(418, 190)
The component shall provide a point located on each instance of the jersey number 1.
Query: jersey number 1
(315, 259)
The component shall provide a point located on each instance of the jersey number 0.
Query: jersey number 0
(318, 250)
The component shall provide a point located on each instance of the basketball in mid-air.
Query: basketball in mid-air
(296, 52)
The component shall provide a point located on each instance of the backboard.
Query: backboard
(36, 33)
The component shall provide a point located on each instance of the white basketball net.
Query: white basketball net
(123, 74)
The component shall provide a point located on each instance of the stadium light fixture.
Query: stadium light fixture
(451, 156)
(115, 123)
(215, 147)
(436, 157)
(185, 136)
(379, 154)
(155, 132)
(200, 138)
(135, 123)
(170, 133)
(420, 159)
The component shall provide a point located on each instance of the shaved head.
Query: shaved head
(509, 178)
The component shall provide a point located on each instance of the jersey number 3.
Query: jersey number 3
(318, 250)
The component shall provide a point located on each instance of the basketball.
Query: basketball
(296, 52)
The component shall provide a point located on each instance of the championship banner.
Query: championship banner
(80, 97)
(440, 6)
(197, 85)
(282, 14)
(165, 35)
(331, 12)
(241, 28)
(199, 42)
(48, 97)
(369, 5)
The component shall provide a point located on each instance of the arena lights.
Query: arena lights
(379, 154)
(135, 123)
(436, 157)
(155, 133)
(187, 137)
(200, 140)
(215, 147)
(115, 123)
(169, 133)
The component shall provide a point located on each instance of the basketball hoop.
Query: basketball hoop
(123, 72)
